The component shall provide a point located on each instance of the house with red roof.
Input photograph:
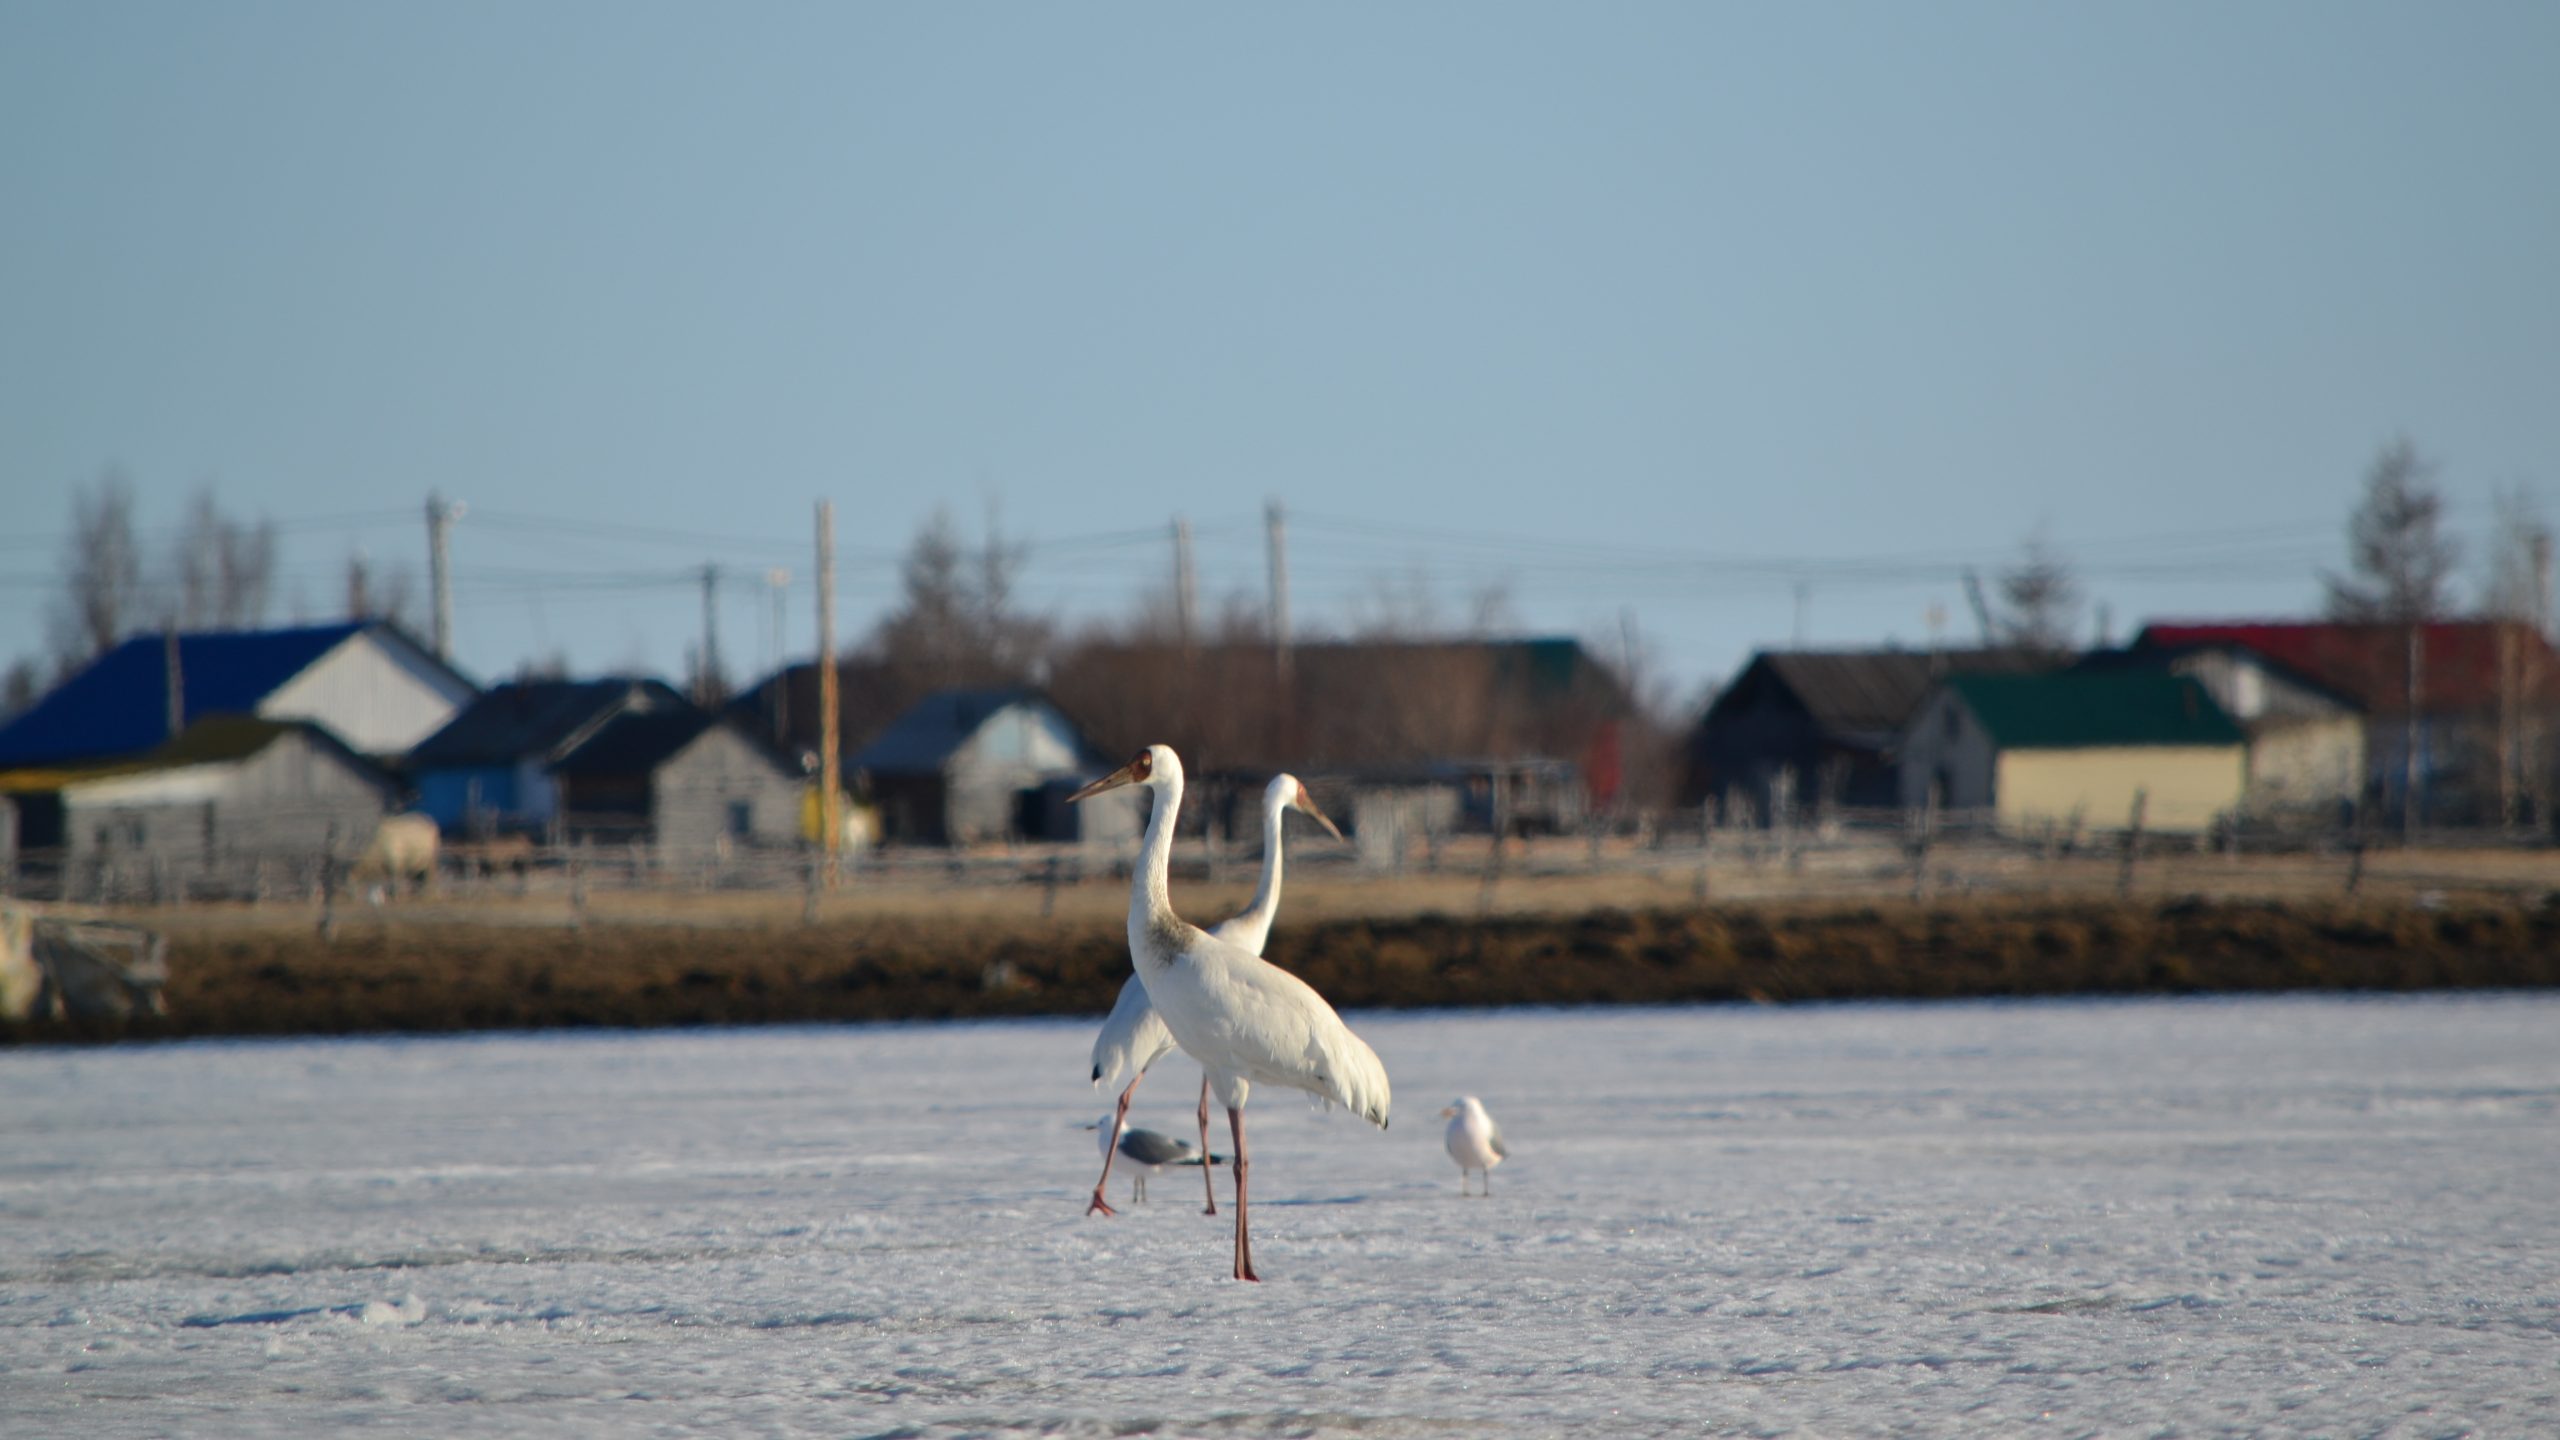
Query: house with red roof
(2480, 699)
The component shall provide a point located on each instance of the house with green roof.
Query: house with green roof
(231, 804)
(2074, 748)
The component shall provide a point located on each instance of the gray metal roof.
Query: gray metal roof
(923, 740)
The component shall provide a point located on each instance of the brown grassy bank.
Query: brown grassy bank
(450, 974)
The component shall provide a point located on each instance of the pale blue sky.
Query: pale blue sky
(1662, 307)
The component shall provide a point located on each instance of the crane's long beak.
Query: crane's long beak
(1306, 803)
(1125, 775)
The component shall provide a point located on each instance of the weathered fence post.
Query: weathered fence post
(577, 886)
(1924, 830)
(328, 897)
(1049, 890)
(2132, 843)
(1706, 846)
(816, 882)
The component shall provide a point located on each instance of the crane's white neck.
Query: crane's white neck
(1256, 918)
(1150, 890)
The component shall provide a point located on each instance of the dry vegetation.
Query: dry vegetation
(641, 959)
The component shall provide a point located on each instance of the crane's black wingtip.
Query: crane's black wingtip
(1097, 1074)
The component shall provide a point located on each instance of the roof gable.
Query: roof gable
(935, 729)
(538, 719)
(635, 742)
(1867, 696)
(2094, 710)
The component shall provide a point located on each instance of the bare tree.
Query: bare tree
(2040, 599)
(2517, 593)
(222, 570)
(19, 688)
(2403, 565)
(390, 594)
(955, 623)
(2402, 561)
(102, 599)
(2519, 561)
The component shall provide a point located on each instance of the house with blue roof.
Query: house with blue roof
(969, 767)
(366, 682)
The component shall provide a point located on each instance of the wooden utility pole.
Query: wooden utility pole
(440, 518)
(2132, 842)
(780, 580)
(830, 763)
(177, 678)
(2409, 767)
(1278, 525)
(1186, 594)
(710, 679)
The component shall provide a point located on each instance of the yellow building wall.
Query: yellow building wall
(2186, 786)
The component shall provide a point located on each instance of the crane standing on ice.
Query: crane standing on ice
(1244, 1019)
(1134, 1037)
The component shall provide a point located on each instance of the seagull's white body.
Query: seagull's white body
(1134, 1037)
(1474, 1141)
(1246, 1021)
(1146, 1151)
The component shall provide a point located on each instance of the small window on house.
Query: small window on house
(742, 819)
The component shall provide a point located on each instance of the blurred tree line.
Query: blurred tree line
(212, 571)
(1399, 684)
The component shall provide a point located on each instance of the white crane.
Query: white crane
(1474, 1141)
(1149, 1152)
(1245, 1020)
(1133, 1036)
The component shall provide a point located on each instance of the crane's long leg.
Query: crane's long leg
(1208, 1172)
(1244, 1239)
(1118, 1117)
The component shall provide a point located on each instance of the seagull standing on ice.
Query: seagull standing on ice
(1475, 1142)
(1148, 1153)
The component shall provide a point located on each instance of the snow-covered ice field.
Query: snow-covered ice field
(2313, 1215)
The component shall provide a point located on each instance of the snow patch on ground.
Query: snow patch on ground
(2195, 1217)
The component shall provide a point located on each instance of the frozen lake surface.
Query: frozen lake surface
(2315, 1215)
